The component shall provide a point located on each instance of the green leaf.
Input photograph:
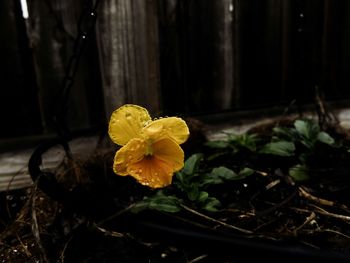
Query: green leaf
(281, 148)
(181, 178)
(208, 179)
(244, 140)
(245, 172)
(285, 133)
(193, 192)
(212, 204)
(307, 128)
(299, 172)
(224, 173)
(217, 144)
(325, 138)
(160, 202)
(192, 163)
(221, 174)
(169, 207)
(203, 196)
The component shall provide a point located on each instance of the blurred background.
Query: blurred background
(80, 60)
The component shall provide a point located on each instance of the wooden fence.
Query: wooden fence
(172, 56)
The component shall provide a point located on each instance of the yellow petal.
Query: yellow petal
(157, 170)
(170, 152)
(127, 122)
(132, 152)
(173, 127)
(152, 172)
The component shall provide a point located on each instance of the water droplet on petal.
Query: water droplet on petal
(140, 170)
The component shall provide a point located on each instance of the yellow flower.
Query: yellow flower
(151, 152)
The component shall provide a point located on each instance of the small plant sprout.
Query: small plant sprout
(150, 149)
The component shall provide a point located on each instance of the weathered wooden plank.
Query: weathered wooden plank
(52, 30)
(128, 47)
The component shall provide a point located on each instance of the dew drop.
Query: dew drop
(128, 116)
(140, 170)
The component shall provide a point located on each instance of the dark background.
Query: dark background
(192, 57)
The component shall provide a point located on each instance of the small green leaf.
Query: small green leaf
(244, 140)
(165, 203)
(299, 172)
(191, 164)
(223, 172)
(217, 144)
(212, 204)
(193, 192)
(165, 207)
(281, 148)
(325, 138)
(181, 178)
(203, 196)
(209, 179)
(285, 133)
(307, 128)
(158, 202)
(245, 172)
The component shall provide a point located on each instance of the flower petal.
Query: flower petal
(152, 172)
(175, 128)
(127, 122)
(170, 152)
(132, 152)
(157, 170)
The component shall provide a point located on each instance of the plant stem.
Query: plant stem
(245, 231)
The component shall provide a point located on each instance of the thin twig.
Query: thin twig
(324, 212)
(25, 248)
(64, 249)
(306, 222)
(318, 211)
(311, 197)
(216, 221)
(198, 258)
(109, 232)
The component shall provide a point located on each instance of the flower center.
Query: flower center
(149, 150)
